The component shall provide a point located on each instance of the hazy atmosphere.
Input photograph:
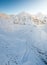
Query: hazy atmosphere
(16, 6)
(23, 32)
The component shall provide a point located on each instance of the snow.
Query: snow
(22, 44)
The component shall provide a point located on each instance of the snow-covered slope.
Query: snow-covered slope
(24, 18)
(22, 44)
(40, 19)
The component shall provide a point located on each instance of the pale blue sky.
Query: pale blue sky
(16, 6)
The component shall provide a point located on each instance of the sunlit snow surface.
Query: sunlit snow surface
(23, 45)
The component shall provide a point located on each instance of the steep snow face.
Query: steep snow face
(40, 19)
(22, 44)
(9, 22)
(23, 18)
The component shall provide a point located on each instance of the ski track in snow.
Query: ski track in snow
(25, 45)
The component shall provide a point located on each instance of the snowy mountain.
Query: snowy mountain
(40, 19)
(22, 40)
(9, 22)
(24, 18)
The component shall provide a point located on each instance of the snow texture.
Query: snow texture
(22, 44)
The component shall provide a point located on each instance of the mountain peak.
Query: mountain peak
(3, 15)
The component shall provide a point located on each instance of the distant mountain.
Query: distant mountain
(23, 18)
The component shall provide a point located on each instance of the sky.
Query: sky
(17, 6)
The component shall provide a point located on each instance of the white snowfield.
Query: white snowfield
(22, 42)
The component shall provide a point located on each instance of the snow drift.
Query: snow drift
(22, 43)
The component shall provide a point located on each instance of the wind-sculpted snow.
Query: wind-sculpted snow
(25, 45)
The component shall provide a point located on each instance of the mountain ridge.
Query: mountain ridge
(22, 18)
